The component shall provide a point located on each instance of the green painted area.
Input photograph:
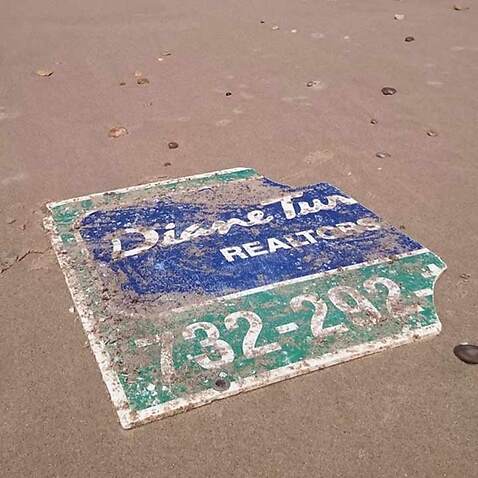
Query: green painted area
(383, 310)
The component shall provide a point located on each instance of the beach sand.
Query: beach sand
(410, 411)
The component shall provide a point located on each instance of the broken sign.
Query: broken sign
(199, 288)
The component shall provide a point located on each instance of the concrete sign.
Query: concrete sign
(199, 288)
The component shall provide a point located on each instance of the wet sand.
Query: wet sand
(411, 411)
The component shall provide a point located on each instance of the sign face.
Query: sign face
(199, 288)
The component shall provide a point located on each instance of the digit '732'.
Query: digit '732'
(347, 299)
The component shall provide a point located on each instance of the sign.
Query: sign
(199, 288)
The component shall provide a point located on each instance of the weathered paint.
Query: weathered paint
(186, 300)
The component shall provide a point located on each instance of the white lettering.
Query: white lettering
(275, 244)
(294, 243)
(328, 232)
(369, 223)
(230, 252)
(254, 249)
(332, 201)
(308, 235)
(349, 228)
(151, 238)
(286, 203)
(254, 218)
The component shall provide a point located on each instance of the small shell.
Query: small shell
(388, 90)
(313, 84)
(117, 131)
(42, 72)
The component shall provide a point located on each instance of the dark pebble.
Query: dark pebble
(167, 163)
(221, 384)
(373, 121)
(123, 83)
(460, 8)
(383, 155)
(467, 353)
(262, 21)
(173, 145)
(228, 93)
(409, 39)
(388, 90)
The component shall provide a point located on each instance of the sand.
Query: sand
(411, 411)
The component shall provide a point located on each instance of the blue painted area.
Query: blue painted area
(198, 265)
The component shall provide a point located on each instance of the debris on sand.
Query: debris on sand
(275, 27)
(374, 121)
(138, 74)
(228, 93)
(409, 39)
(166, 164)
(173, 145)
(388, 90)
(165, 53)
(142, 81)
(399, 16)
(467, 353)
(383, 155)
(117, 131)
(314, 84)
(122, 83)
(460, 8)
(432, 133)
(42, 72)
